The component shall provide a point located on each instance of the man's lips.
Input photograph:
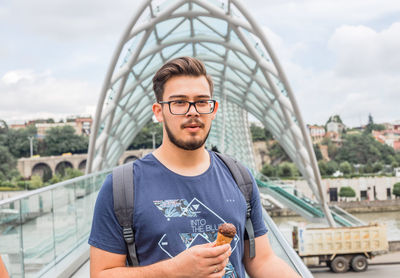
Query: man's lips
(193, 126)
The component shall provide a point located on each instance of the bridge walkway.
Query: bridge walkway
(44, 232)
(304, 206)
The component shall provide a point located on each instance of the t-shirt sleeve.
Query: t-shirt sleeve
(256, 212)
(106, 233)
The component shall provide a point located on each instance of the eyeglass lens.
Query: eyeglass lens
(182, 107)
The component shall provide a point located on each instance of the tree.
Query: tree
(287, 170)
(331, 167)
(396, 189)
(71, 173)
(363, 148)
(332, 148)
(317, 152)
(3, 127)
(7, 164)
(18, 143)
(347, 192)
(36, 182)
(377, 167)
(63, 139)
(370, 125)
(335, 119)
(144, 139)
(259, 133)
(345, 167)
(277, 154)
(378, 127)
(269, 170)
(322, 167)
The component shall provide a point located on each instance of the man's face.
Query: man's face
(189, 131)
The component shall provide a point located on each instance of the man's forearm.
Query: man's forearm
(160, 269)
(273, 267)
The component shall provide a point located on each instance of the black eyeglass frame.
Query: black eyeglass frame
(190, 105)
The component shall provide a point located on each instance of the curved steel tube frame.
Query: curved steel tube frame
(246, 73)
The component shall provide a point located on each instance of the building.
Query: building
(335, 127)
(17, 126)
(388, 137)
(396, 125)
(335, 137)
(317, 133)
(82, 126)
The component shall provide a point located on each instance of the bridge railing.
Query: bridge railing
(40, 228)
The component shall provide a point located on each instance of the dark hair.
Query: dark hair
(181, 66)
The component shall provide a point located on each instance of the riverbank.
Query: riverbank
(350, 207)
(369, 206)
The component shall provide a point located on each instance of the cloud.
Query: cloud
(41, 95)
(365, 78)
(65, 19)
(361, 50)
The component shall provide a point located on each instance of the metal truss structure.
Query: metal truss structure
(247, 76)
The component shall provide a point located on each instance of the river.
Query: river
(391, 219)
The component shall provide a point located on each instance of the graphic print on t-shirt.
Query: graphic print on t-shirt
(200, 229)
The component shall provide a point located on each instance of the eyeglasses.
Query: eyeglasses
(181, 107)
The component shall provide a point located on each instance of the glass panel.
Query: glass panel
(218, 25)
(216, 66)
(128, 49)
(150, 42)
(37, 228)
(64, 219)
(215, 47)
(197, 8)
(248, 61)
(85, 198)
(11, 238)
(183, 30)
(166, 26)
(139, 66)
(28, 226)
(170, 50)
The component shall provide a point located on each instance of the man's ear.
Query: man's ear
(215, 110)
(157, 111)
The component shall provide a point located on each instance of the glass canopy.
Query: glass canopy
(246, 73)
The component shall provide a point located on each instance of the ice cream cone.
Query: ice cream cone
(226, 233)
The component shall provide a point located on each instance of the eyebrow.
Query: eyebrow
(186, 97)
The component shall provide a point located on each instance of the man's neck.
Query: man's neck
(183, 162)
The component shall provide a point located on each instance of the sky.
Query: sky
(340, 56)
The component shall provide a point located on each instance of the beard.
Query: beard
(190, 145)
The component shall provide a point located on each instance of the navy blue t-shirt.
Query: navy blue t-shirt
(174, 212)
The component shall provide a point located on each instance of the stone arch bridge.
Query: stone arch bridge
(47, 166)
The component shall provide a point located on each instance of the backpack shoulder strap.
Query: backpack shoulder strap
(123, 195)
(243, 180)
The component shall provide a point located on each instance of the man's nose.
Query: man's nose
(192, 110)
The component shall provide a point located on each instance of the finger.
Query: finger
(215, 251)
(217, 269)
(218, 274)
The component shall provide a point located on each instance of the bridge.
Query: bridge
(44, 233)
(46, 166)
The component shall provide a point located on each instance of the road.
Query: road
(381, 271)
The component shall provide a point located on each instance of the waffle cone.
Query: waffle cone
(221, 239)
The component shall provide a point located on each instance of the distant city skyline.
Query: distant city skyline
(341, 57)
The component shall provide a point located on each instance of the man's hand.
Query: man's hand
(206, 260)
(200, 261)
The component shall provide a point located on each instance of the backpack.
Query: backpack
(123, 195)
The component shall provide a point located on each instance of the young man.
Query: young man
(182, 193)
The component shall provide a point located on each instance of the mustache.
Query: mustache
(192, 121)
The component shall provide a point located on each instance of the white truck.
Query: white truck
(341, 248)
